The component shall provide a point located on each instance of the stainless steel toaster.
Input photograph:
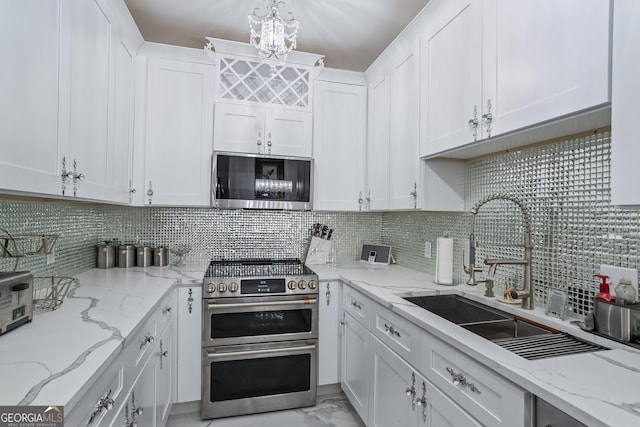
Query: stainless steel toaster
(16, 300)
(618, 321)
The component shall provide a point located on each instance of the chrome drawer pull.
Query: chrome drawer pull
(105, 403)
(391, 330)
(459, 379)
(355, 304)
(146, 340)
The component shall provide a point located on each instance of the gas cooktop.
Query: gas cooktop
(246, 268)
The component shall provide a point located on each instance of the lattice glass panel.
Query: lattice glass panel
(246, 80)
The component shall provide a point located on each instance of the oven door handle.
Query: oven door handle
(311, 301)
(302, 348)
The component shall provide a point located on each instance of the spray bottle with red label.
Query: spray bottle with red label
(604, 294)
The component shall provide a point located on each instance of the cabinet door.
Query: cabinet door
(534, 60)
(122, 145)
(164, 375)
(339, 148)
(140, 404)
(328, 332)
(30, 96)
(404, 129)
(179, 133)
(378, 142)
(390, 398)
(238, 129)
(189, 338)
(354, 375)
(451, 74)
(289, 132)
(400, 396)
(87, 81)
(625, 173)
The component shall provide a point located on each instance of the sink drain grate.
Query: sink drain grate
(543, 346)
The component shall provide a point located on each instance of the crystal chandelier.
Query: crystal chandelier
(273, 36)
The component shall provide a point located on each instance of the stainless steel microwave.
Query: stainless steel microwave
(255, 181)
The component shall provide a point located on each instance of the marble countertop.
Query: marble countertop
(598, 389)
(56, 357)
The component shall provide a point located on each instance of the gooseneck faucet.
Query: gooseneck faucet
(526, 294)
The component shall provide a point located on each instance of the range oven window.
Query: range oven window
(256, 323)
(239, 379)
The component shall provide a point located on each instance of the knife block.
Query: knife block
(318, 252)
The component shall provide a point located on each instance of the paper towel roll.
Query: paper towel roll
(444, 261)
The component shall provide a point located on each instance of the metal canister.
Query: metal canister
(161, 256)
(106, 257)
(144, 257)
(126, 256)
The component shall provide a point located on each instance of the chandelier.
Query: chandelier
(273, 36)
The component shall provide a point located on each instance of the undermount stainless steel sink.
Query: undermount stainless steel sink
(488, 322)
(513, 333)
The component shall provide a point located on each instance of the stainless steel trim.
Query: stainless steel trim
(290, 350)
(301, 302)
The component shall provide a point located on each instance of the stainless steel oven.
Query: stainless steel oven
(260, 331)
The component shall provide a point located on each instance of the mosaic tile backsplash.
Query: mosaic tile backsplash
(566, 186)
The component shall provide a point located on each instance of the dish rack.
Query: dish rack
(25, 244)
(49, 292)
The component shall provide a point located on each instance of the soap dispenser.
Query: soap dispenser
(604, 294)
(625, 293)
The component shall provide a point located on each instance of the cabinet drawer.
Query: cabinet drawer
(398, 333)
(97, 407)
(356, 304)
(487, 396)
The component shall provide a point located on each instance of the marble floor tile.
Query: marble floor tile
(332, 410)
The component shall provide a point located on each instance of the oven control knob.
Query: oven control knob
(222, 287)
(211, 288)
(302, 284)
(312, 284)
(233, 287)
(291, 285)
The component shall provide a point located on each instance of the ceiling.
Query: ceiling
(350, 33)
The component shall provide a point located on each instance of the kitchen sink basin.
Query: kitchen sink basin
(513, 333)
(488, 322)
(511, 328)
(457, 309)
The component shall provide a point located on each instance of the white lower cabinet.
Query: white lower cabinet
(328, 332)
(354, 370)
(400, 396)
(189, 339)
(397, 374)
(138, 387)
(491, 399)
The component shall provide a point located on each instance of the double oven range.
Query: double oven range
(260, 336)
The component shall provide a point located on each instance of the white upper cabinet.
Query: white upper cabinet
(404, 126)
(624, 104)
(65, 120)
(339, 146)
(490, 68)
(534, 63)
(87, 82)
(261, 130)
(377, 197)
(178, 131)
(451, 74)
(30, 96)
